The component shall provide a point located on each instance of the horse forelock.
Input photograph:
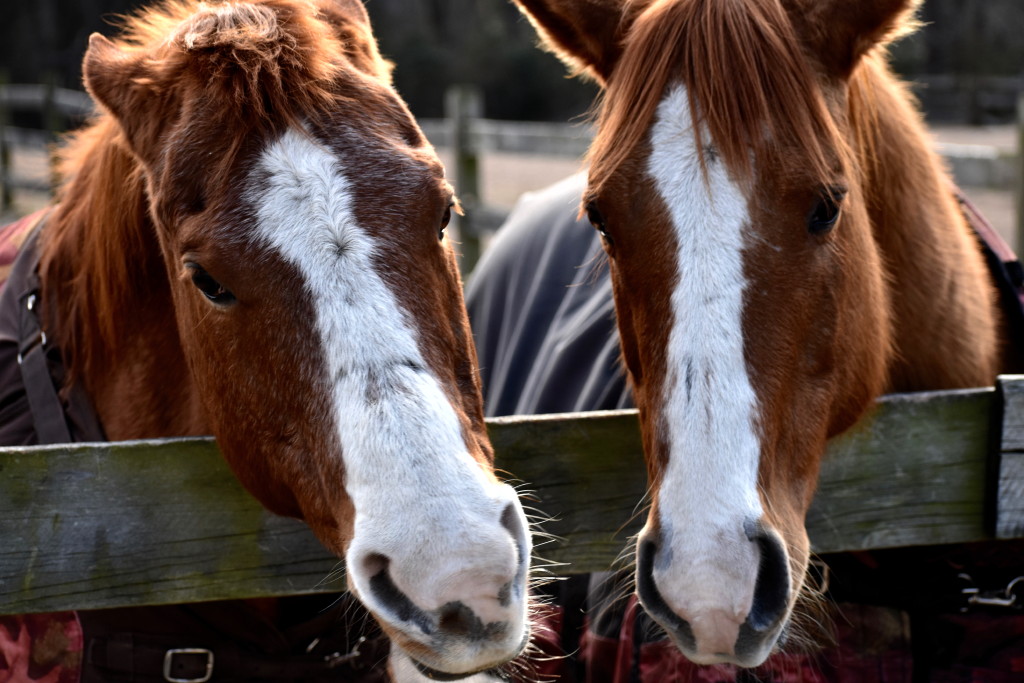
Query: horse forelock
(274, 61)
(244, 70)
(751, 87)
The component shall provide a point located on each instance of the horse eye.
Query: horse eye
(597, 220)
(211, 289)
(826, 212)
(445, 219)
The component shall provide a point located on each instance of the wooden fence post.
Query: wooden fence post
(54, 121)
(1009, 504)
(464, 104)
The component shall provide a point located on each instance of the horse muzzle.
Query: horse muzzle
(454, 597)
(714, 614)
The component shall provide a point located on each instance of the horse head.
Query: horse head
(274, 258)
(730, 182)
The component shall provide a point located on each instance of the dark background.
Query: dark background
(967, 63)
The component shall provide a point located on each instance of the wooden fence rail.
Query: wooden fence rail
(157, 522)
(56, 107)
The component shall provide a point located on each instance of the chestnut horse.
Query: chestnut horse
(784, 246)
(250, 242)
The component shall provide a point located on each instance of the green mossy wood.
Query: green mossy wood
(1010, 488)
(156, 522)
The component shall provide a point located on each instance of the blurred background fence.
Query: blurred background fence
(503, 113)
(56, 110)
(492, 162)
(968, 59)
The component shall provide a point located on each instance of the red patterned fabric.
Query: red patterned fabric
(874, 648)
(982, 649)
(12, 237)
(40, 648)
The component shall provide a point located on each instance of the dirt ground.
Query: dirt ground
(505, 177)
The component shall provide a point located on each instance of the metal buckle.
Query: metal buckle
(336, 659)
(169, 659)
(1005, 597)
(38, 339)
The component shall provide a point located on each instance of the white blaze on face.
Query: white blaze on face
(709, 490)
(422, 502)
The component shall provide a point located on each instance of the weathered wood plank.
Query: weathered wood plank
(160, 522)
(1012, 389)
(141, 523)
(588, 477)
(913, 472)
(1010, 501)
(1010, 496)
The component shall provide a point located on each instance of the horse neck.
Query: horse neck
(943, 311)
(108, 299)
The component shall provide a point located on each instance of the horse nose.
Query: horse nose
(458, 603)
(724, 621)
(459, 594)
(476, 618)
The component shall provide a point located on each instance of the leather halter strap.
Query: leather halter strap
(41, 366)
(1007, 276)
(47, 411)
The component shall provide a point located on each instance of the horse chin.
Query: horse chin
(435, 675)
(736, 660)
(408, 667)
(752, 648)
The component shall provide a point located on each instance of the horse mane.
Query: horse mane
(866, 108)
(277, 56)
(750, 86)
(266, 64)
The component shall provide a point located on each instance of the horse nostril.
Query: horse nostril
(771, 592)
(375, 563)
(513, 522)
(652, 600)
(456, 619)
(390, 597)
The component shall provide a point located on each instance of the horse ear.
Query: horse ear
(120, 81)
(351, 23)
(841, 32)
(585, 34)
(352, 10)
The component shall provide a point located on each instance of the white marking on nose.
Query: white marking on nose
(709, 489)
(422, 502)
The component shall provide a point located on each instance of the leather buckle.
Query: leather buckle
(188, 651)
(37, 338)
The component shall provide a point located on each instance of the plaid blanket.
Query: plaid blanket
(12, 237)
(46, 648)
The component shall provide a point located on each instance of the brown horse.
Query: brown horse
(784, 246)
(250, 243)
